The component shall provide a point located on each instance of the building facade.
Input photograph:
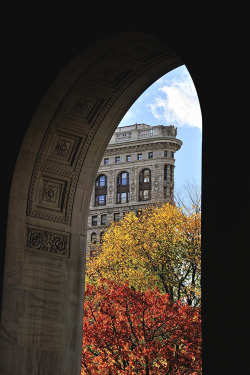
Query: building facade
(137, 169)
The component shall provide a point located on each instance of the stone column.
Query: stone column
(111, 188)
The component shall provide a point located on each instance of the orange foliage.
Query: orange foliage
(129, 332)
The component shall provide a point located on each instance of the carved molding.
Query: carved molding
(160, 145)
(75, 123)
(42, 240)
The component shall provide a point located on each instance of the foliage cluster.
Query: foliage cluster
(132, 332)
(142, 298)
(159, 248)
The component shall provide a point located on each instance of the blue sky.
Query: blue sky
(173, 100)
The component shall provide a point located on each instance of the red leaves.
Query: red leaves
(132, 332)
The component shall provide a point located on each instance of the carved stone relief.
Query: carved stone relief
(85, 107)
(53, 192)
(46, 343)
(43, 240)
(65, 147)
(132, 189)
(75, 123)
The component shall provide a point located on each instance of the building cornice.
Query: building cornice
(136, 146)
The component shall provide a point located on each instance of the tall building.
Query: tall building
(137, 169)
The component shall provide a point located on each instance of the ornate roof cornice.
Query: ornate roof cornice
(171, 144)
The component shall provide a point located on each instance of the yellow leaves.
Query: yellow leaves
(159, 246)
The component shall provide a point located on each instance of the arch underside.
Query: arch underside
(42, 311)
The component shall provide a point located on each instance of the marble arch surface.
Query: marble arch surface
(42, 309)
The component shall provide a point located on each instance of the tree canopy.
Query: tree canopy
(132, 332)
(160, 248)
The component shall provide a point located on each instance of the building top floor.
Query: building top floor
(138, 158)
(138, 132)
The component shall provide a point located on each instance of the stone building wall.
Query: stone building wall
(138, 147)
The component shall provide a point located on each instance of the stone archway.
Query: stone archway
(42, 310)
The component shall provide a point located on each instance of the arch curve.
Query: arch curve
(43, 289)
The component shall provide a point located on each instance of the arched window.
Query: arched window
(145, 185)
(122, 188)
(93, 237)
(101, 190)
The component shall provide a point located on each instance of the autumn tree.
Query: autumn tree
(159, 248)
(132, 332)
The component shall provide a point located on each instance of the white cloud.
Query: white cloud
(177, 103)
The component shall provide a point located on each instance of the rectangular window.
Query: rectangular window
(103, 219)
(122, 197)
(150, 155)
(165, 154)
(172, 154)
(144, 195)
(102, 181)
(116, 216)
(106, 161)
(139, 156)
(171, 172)
(117, 159)
(102, 200)
(124, 179)
(128, 158)
(146, 175)
(94, 220)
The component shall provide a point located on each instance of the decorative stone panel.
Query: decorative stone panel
(44, 240)
(85, 107)
(51, 197)
(76, 121)
(114, 76)
(65, 147)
